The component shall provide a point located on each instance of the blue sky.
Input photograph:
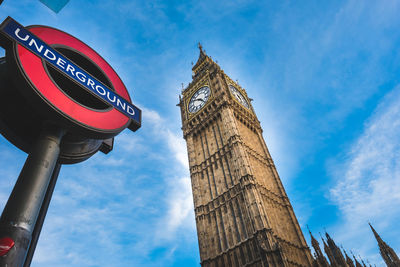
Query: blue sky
(324, 76)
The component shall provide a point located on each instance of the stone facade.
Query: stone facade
(243, 214)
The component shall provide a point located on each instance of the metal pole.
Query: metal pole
(42, 215)
(20, 214)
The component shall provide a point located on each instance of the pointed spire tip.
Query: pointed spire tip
(200, 47)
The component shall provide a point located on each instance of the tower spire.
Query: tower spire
(349, 261)
(389, 256)
(319, 256)
(362, 261)
(202, 52)
(337, 254)
(204, 62)
(329, 253)
(358, 264)
(200, 47)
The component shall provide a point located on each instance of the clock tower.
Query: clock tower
(243, 215)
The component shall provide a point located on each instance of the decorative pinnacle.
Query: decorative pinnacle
(352, 254)
(310, 232)
(200, 47)
(320, 235)
(378, 238)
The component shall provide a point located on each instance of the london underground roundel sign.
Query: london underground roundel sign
(60, 73)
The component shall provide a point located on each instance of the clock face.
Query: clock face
(242, 100)
(199, 99)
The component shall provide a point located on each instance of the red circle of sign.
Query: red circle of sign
(32, 64)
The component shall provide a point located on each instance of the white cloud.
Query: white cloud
(368, 187)
(180, 208)
(178, 146)
(179, 193)
(152, 117)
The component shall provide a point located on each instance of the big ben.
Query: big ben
(243, 215)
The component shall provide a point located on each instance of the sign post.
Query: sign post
(42, 215)
(19, 216)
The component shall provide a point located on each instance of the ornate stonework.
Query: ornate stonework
(243, 215)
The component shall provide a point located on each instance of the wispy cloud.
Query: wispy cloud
(180, 209)
(368, 187)
(179, 195)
